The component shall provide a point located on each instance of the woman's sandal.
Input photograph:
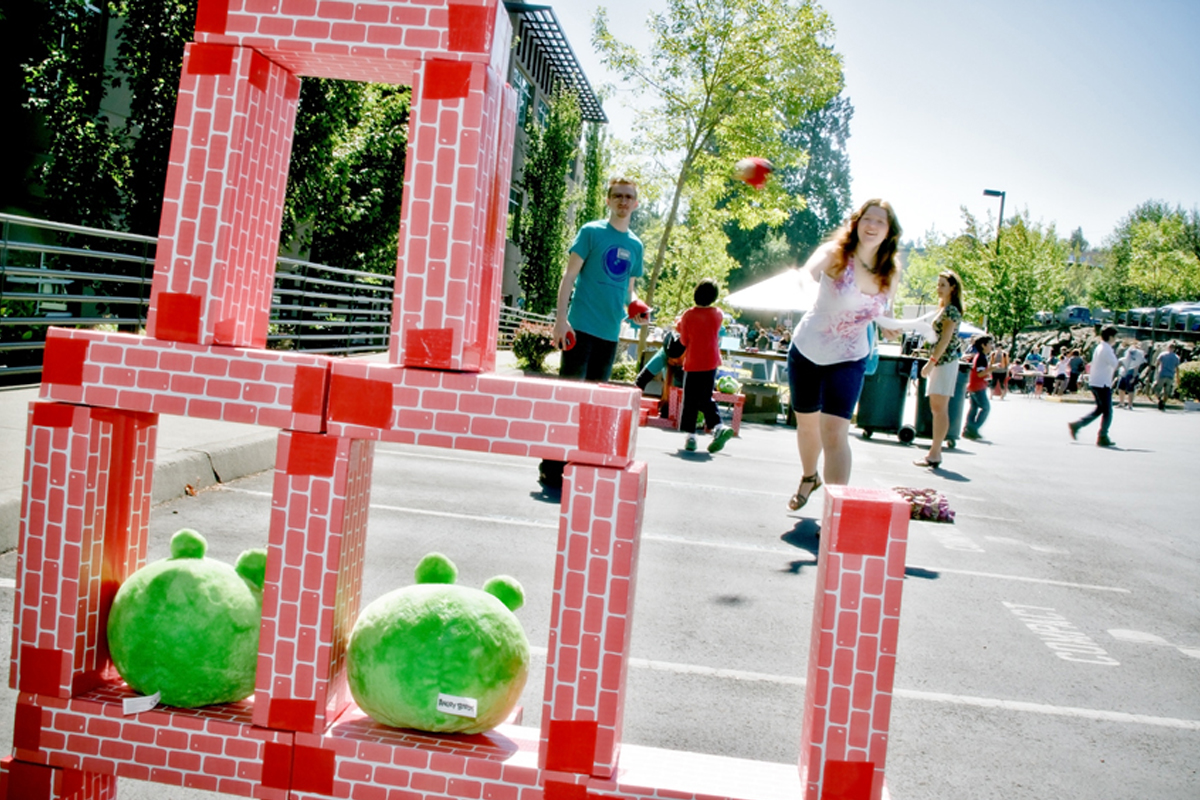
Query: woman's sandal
(797, 501)
(925, 462)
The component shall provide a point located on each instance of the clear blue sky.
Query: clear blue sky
(1079, 109)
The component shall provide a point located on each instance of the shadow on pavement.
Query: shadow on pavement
(806, 535)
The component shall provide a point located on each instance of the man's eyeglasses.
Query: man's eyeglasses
(623, 196)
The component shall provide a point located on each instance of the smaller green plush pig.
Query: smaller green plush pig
(439, 657)
(187, 626)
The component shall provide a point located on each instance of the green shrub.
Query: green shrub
(1189, 380)
(624, 371)
(531, 344)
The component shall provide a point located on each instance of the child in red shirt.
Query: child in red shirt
(977, 387)
(699, 330)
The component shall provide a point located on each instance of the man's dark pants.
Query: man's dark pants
(591, 359)
(1103, 409)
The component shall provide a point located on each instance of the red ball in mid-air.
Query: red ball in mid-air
(753, 170)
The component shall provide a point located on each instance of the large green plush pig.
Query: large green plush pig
(439, 657)
(187, 626)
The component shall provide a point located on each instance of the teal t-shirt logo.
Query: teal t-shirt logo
(617, 263)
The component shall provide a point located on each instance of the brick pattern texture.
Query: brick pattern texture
(852, 656)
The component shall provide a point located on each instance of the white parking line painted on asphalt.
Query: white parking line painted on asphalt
(8, 583)
(1024, 579)
(1057, 711)
(697, 543)
(912, 694)
(1037, 548)
(497, 518)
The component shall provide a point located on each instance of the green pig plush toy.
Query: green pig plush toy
(187, 626)
(439, 657)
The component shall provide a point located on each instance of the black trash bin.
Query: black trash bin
(881, 404)
(925, 416)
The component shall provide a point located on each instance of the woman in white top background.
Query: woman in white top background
(941, 370)
(857, 274)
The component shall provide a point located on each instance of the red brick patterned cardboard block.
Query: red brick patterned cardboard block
(20, 780)
(442, 314)
(494, 239)
(84, 526)
(591, 617)
(365, 41)
(273, 388)
(215, 748)
(358, 758)
(509, 414)
(218, 239)
(851, 663)
(313, 585)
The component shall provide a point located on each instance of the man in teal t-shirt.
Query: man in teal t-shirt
(593, 298)
(604, 261)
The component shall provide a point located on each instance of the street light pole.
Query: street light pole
(999, 222)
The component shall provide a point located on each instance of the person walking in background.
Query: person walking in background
(1062, 373)
(856, 272)
(1130, 365)
(1000, 373)
(700, 333)
(1166, 375)
(594, 296)
(1104, 366)
(977, 388)
(1075, 363)
(941, 370)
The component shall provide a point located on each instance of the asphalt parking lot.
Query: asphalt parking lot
(1055, 541)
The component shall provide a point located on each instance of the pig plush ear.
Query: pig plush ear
(436, 568)
(186, 543)
(507, 590)
(252, 566)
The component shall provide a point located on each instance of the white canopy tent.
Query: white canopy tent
(787, 292)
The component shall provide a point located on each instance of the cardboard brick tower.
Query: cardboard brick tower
(92, 433)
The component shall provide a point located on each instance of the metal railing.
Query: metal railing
(67, 275)
(323, 309)
(512, 318)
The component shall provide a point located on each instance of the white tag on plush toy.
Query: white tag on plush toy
(136, 705)
(458, 706)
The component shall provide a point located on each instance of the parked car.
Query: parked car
(1139, 317)
(1075, 315)
(1043, 318)
(1183, 315)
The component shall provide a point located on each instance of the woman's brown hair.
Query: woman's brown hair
(885, 258)
(955, 286)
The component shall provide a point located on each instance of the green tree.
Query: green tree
(697, 251)
(542, 233)
(596, 161)
(1161, 269)
(727, 78)
(149, 58)
(345, 181)
(1002, 289)
(85, 166)
(823, 182)
(1152, 257)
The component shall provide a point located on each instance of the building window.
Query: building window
(543, 111)
(524, 96)
(515, 201)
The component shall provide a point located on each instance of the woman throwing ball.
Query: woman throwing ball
(857, 275)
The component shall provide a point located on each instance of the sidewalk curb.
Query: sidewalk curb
(198, 468)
